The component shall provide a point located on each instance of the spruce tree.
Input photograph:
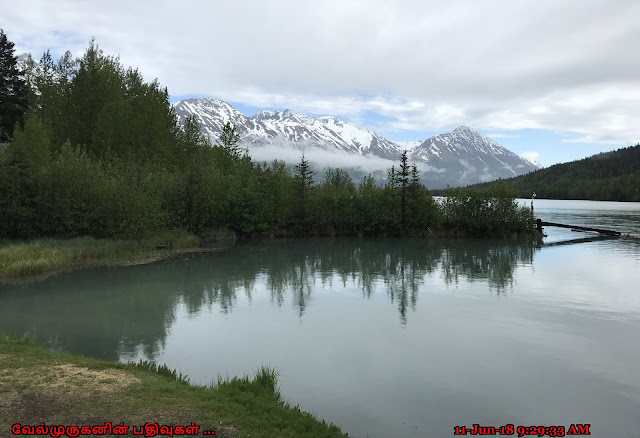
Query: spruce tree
(393, 180)
(303, 174)
(415, 191)
(228, 140)
(403, 183)
(13, 90)
(415, 176)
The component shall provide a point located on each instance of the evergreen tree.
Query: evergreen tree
(403, 183)
(414, 192)
(393, 180)
(415, 176)
(398, 186)
(303, 175)
(228, 140)
(13, 90)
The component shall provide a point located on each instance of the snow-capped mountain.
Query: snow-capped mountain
(470, 157)
(461, 157)
(276, 127)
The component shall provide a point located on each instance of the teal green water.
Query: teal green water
(384, 337)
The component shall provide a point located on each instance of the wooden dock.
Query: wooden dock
(540, 224)
(593, 238)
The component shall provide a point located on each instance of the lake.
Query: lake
(383, 337)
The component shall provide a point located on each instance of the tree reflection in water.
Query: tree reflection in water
(106, 312)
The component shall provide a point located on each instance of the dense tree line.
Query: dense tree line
(100, 153)
(609, 176)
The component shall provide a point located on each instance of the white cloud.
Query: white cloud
(321, 158)
(534, 157)
(570, 67)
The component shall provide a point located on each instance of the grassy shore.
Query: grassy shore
(49, 255)
(38, 385)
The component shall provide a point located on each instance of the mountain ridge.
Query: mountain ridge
(462, 156)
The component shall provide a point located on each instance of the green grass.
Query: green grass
(38, 385)
(40, 256)
(265, 382)
(162, 370)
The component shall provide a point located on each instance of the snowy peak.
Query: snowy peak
(464, 140)
(268, 127)
(293, 117)
(210, 104)
(268, 115)
(464, 131)
(476, 157)
(288, 114)
(211, 114)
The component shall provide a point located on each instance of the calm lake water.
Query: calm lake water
(383, 337)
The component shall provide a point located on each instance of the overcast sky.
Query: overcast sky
(560, 79)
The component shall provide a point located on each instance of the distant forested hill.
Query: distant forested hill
(609, 176)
